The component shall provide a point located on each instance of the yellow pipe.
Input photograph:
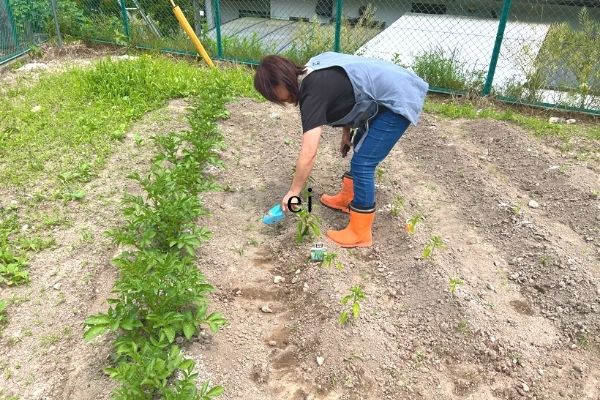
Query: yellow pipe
(188, 29)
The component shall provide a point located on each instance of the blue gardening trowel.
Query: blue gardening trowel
(274, 215)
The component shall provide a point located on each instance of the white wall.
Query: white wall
(390, 10)
(284, 9)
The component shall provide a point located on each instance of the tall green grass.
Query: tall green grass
(79, 116)
(443, 69)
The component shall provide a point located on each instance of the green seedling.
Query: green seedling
(545, 260)
(83, 174)
(379, 172)
(454, 284)
(72, 195)
(330, 259)
(351, 303)
(435, 242)
(240, 250)
(595, 194)
(138, 140)
(307, 226)
(412, 222)
(54, 219)
(397, 205)
(87, 236)
(516, 209)
(463, 327)
(12, 268)
(3, 318)
(583, 342)
(564, 168)
(35, 243)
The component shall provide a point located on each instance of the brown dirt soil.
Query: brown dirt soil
(523, 324)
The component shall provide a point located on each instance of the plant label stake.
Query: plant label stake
(317, 252)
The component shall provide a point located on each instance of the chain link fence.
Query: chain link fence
(21, 26)
(539, 52)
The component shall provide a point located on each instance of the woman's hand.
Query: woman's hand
(346, 142)
(286, 199)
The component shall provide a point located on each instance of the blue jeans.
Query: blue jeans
(384, 131)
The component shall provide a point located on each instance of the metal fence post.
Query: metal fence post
(125, 19)
(338, 24)
(497, 46)
(58, 35)
(217, 7)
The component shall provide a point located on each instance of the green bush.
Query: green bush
(569, 59)
(444, 70)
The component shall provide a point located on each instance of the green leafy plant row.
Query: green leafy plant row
(161, 294)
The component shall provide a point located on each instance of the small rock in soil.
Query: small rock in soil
(533, 204)
(320, 360)
(278, 279)
(266, 309)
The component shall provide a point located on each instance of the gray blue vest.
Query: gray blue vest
(376, 82)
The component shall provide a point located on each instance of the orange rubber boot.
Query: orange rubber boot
(358, 233)
(341, 200)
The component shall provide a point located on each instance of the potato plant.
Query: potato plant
(161, 294)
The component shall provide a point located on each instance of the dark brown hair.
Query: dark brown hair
(276, 70)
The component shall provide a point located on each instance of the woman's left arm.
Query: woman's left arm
(305, 163)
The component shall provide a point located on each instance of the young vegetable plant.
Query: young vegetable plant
(379, 174)
(397, 205)
(351, 302)
(308, 226)
(412, 222)
(330, 259)
(454, 284)
(435, 242)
